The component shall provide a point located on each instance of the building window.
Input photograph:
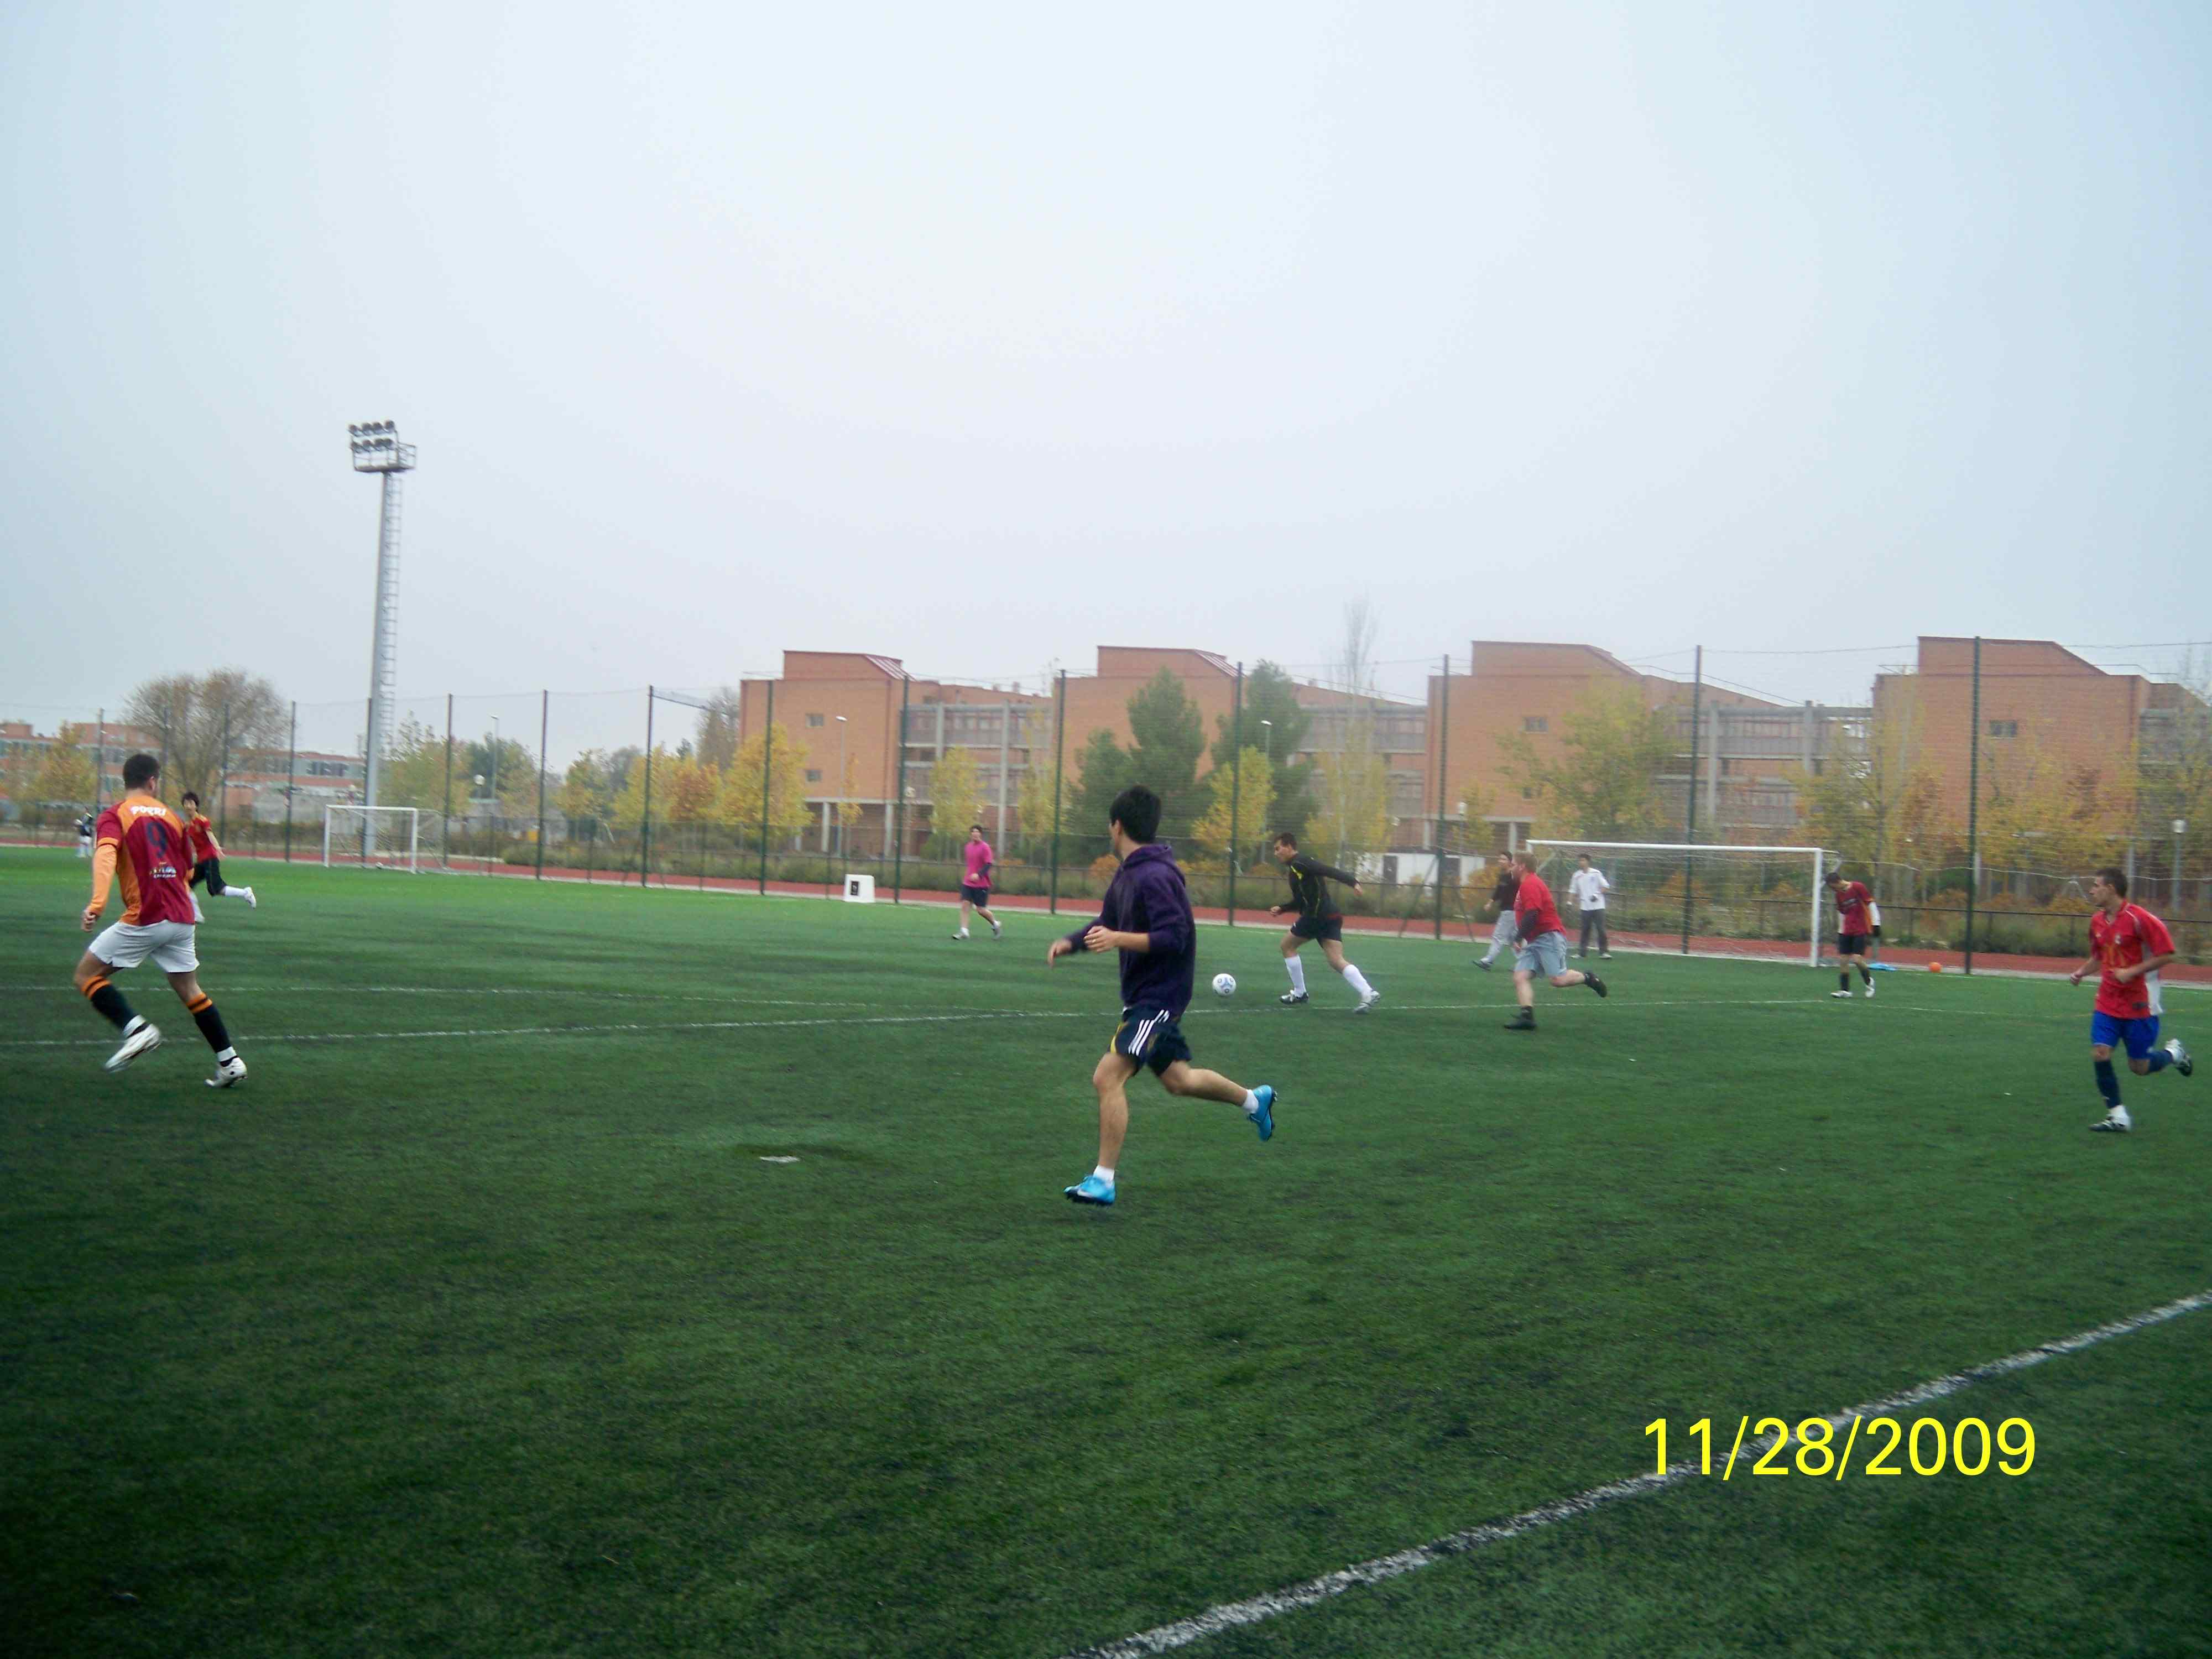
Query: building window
(1535, 723)
(2004, 728)
(814, 719)
(1528, 794)
(813, 774)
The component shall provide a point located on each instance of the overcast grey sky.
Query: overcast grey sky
(983, 335)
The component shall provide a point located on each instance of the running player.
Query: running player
(1145, 915)
(975, 881)
(84, 829)
(1853, 930)
(1501, 900)
(1318, 918)
(142, 840)
(1543, 950)
(2132, 945)
(207, 856)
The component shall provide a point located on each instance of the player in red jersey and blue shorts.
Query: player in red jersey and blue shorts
(2132, 946)
(1543, 945)
(142, 841)
(1854, 930)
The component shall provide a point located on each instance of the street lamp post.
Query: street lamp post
(2181, 828)
(841, 791)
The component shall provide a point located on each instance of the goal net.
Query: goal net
(1715, 901)
(385, 837)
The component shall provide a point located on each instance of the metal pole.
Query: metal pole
(843, 728)
(1236, 781)
(1444, 752)
(1973, 803)
(898, 802)
(367, 819)
(446, 813)
(545, 725)
(100, 770)
(768, 778)
(291, 774)
(644, 818)
(1059, 749)
(2179, 825)
(223, 778)
(1690, 832)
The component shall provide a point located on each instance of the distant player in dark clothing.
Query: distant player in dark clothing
(1502, 937)
(1145, 915)
(207, 855)
(1318, 918)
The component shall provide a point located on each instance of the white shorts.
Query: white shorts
(169, 943)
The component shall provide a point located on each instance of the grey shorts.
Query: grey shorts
(1545, 954)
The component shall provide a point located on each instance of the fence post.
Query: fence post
(100, 773)
(645, 819)
(767, 781)
(446, 814)
(223, 783)
(1059, 749)
(1236, 781)
(291, 773)
(1443, 754)
(545, 725)
(899, 788)
(1973, 803)
(1690, 824)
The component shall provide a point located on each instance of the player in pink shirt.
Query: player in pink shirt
(2131, 945)
(976, 882)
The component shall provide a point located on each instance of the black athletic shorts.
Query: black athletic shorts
(207, 872)
(1851, 945)
(1150, 1037)
(976, 895)
(1318, 927)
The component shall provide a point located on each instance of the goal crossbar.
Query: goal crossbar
(1818, 855)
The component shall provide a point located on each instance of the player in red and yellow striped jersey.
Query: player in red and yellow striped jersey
(142, 844)
(207, 856)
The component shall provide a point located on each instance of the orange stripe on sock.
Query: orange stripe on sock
(205, 1001)
(94, 989)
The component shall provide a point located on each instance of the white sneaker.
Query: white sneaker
(962, 933)
(1845, 995)
(228, 1072)
(251, 902)
(144, 1041)
(1869, 990)
(1367, 1003)
(995, 930)
(2116, 1122)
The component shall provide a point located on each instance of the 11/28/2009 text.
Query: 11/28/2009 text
(1930, 1447)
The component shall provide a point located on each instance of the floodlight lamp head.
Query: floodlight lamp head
(376, 447)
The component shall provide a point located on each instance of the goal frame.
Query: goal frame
(369, 816)
(1818, 854)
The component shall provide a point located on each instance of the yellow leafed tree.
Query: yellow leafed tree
(956, 795)
(1254, 796)
(739, 805)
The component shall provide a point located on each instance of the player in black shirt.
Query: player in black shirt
(1318, 918)
(1503, 936)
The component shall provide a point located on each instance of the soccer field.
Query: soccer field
(480, 1321)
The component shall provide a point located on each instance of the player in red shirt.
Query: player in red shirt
(1854, 928)
(207, 855)
(142, 842)
(2132, 946)
(1543, 945)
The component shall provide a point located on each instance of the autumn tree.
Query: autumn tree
(1273, 720)
(1248, 788)
(1034, 804)
(1103, 771)
(719, 723)
(1874, 796)
(1167, 734)
(955, 799)
(739, 805)
(65, 774)
(200, 722)
(1351, 791)
(1601, 782)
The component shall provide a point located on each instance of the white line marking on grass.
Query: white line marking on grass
(1230, 1615)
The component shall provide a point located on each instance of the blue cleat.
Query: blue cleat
(1091, 1190)
(1263, 1110)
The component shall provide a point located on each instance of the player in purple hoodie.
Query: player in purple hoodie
(1145, 915)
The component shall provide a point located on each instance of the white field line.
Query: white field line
(632, 1028)
(1164, 1639)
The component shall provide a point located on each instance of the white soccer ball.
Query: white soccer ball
(1225, 985)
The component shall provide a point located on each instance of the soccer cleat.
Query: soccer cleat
(995, 930)
(251, 902)
(1091, 1190)
(2179, 1050)
(144, 1041)
(1845, 995)
(1869, 990)
(1292, 996)
(961, 934)
(2116, 1122)
(1367, 1003)
(1523, 1021)
(228, 1072)
(1483, 963)
(1605, 956)
(1595, 984)
(1262, 1113)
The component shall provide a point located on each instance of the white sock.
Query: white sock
(964, 933)
(131, 1027)
(1358, 982)
(226, 1057)
(1251, 1103)
(1297, 974)
(1104, 1174)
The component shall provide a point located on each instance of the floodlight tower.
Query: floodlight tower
(377, 448)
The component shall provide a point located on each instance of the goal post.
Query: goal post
(377, 837)
(1740, 901)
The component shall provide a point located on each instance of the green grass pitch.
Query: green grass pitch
(476, 1323)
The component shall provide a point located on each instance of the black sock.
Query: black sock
(2108, 1082)
(109, 1001)
(1843, 979)
(211, 1027)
